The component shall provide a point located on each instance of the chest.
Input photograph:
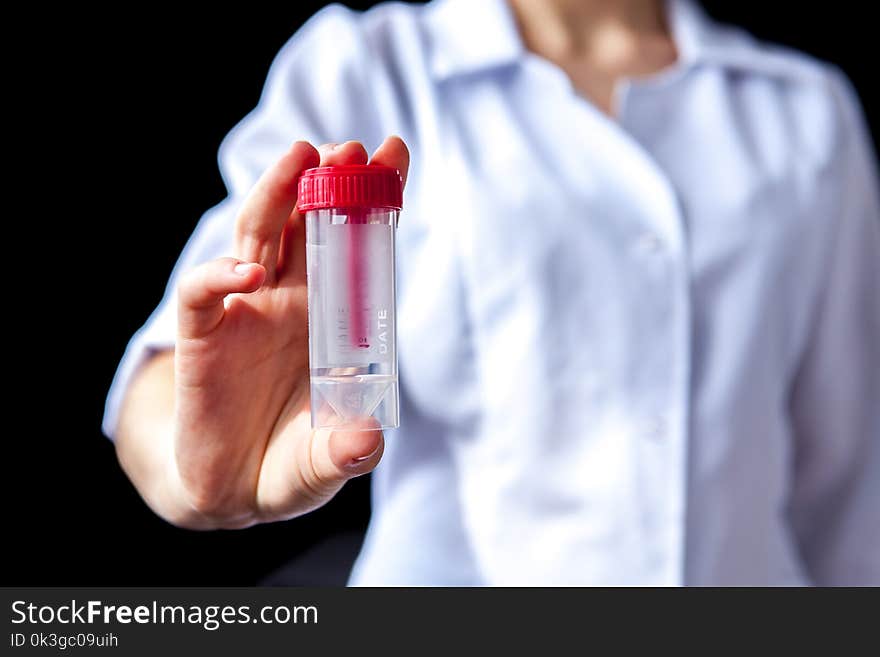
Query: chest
(574, 248)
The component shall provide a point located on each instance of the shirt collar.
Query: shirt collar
(471, 36)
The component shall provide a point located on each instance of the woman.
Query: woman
(638, 304)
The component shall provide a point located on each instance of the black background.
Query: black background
(124, 112)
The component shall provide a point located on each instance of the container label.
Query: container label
(360, 294)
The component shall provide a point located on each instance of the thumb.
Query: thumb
(322, 461)
(339, 454)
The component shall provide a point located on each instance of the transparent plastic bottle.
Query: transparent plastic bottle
(351, 219)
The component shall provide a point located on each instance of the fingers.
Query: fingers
(350, 152)
(393, 153)
(292, 253)
(269, 205)
(269, 229)
(202, 290)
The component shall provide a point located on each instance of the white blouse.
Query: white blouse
(633, 351)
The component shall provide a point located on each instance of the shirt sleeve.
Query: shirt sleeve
(836, 394)
(316, 90)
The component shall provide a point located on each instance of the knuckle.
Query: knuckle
(315, 485)
(252, 222)
(198, 280)
(190, 283)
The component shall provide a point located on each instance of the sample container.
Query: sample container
(351, 215)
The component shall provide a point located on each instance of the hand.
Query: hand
(243, 448)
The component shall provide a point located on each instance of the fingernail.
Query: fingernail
(357, 462)
(243, 268)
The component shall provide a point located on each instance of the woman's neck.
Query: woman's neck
(597, 42)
